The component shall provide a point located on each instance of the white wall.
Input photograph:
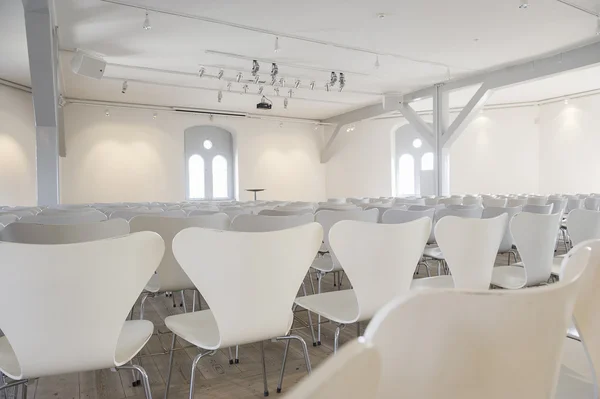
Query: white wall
(497, 153)
(129, 156)
(569, 146)
(17, 148)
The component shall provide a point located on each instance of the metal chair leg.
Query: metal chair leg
(193, 375)
(183, 302)
(170, 366)
(143, 304)
(310, 323)
(230, 356)
(264, 367)
(237, 354)
(287, 344)
(194, 301)
(336, 337)
(24, 391)
(318, 315)
(144, 375)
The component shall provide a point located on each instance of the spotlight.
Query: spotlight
(296, 83)
(316, 127)
(326, 86)
(107, 113)
(276, 90)
(312, 85)
(274, 72)
(201, 72)
(342, 81)
(377, 61)
(261, 89)
(280, 124)
(220, 96)
(290, 93)
(155, 115)
(273, 80)
(147, 25)
(285, 103)
(245, 88)
(282, 82)
(256, 78)
(124, 88)
(61, 101)
(598, 26)
(220, 74)
(333, 79)
(566, 101)
(238, 77)
(211, 117)
(277, 45)
(524, 4)
(229, 86)
(255, 67)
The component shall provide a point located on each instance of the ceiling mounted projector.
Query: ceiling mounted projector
(264, 103)
(88, 65)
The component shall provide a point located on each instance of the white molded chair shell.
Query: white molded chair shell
(170, 276)
(470, 200)
(470, 247)
(418, 207)
(353, 372)
(592, 203)
(382, 209)
(574, 203)
(558, 205)
(200, 212)
(490, 202)
(323, 206)
(541, 209)
(66, 218)
(7, 219)
(450, 201)
(86, 329)
(507, 239)
(379, 259)
(129, 214)
(583, 225)
(513, 202)
(49, 234)
(394, 216)
(537, 200)
(18, 213)
(270, 263)
(463, 213)
(286, 211)
(486, 344)
(261, 223)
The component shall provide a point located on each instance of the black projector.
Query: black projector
(264, 105)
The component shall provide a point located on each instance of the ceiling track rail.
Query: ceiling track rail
(15, 85)
(580, 8)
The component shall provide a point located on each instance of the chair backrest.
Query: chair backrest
(418, 207)
(513, 202)
(59, 335)
(485, 344)
(541, 209)
(463, 213)
(379, 259)
(450, 201)
(394, 216)
(490, 202)
(353, 372)
(323, 206)
(50, 234)
(66, 218)
(470, 247)
(261, 223)
(382, 210)
(471, 200)
(171, 276)
(574, 203)
(328, 218)
(507, 239)
(558, 204)
(583, 225)
(248, 279)
(7, 219)
(200, 212)
(472, 206)
(129, 214)
(537, 200)
(286, 211)
(592, 203)
(19, 213)
(535, 238)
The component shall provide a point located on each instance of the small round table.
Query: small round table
(255, 190)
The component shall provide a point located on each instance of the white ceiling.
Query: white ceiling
(465, 35)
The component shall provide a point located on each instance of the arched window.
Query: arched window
(406, 175)
(196, 176)
(427, 161)
(219, 176)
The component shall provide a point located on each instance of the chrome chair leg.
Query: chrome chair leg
(193, 375)
(264, 368)
(183, 301)
(230, 356)
(336, 337)
(143, 304)
(144, 375)
(340, 279)
(312, 283)
(318, 315)
(170, 366)
(194, 302)
(24, 391)
(310, 323)
(287, 339)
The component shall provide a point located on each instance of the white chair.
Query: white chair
(129, 214)
(323, 206)
(491, 202)
(472, 200)
(558, 205)
(535, 238)
(469, 247)
(379, 259)
(451, 201)
(506, 246)
(201, 212)
(261, 223)
(582, 225)
(513, 202)
(395, 216)
(7, 219)
(574, 203)
(50, 234)
(286, 211)
(541, 209)
(169, 276)
(61, 335)
(229, 269)
(353, 373)
(492, 344)
(581, 354)
(66, 218)
(592, 203)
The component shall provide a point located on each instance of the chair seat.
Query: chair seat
(509, 277)
(433, 252)
(337, 306)
(153, 285)
(326, 264)
(576, 376)
(556, 262)
(432, 282)
(134, 335)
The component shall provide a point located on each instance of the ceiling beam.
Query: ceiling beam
(467, 114)
(368, 112)
(425, 129)
(327, 151)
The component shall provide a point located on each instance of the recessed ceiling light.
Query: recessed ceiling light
(566, 101)
(107, 112)
(155, 115)
(381, 15)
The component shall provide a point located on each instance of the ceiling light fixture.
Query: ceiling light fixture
(276, 90)
(381, 15)
(245, 88)
(296, 83)
(255, 67)
(342, 81)
(154, 116)
(285, 103)
(261, 89)
(326, 86)
(524, 4)
(566, 101)
(238, 77)
(147, 25)
(220, 74)
(290, 93)
(377, 61)
(282, 82)
(316, 127)
(229, 86)
(106, 112)
(256, 78)
(312, 85)
(333, 79)
(220, 96)
(124, 88)
(201, 72)
(277, 44)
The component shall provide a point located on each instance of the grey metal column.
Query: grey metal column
(43, 61)
(441, 115)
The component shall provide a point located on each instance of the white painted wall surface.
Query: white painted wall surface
(129, 156)
(17, 148)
